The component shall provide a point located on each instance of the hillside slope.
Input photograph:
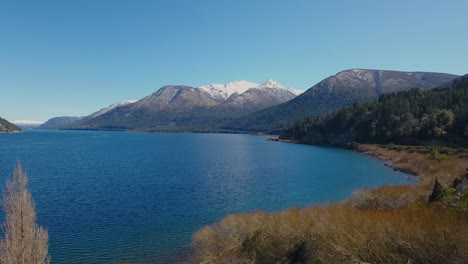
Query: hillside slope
(433, 117)
(7, 127)
(185, 108)
(60, 122)
(336, 92)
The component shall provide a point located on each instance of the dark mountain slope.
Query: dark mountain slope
(433, 117)
(60, 122)
(336, 92)
(168, 106)
(184, 108)
(7, 127)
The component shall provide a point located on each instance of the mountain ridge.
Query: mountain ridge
(436, 116)
(335, 92)
(266, 107)
(60, 122)
(175, 107)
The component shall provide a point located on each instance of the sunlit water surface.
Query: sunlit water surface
(109, 197)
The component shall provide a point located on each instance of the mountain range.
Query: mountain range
(27, 124)
(186, 108)
(336, 92)
(244, 106)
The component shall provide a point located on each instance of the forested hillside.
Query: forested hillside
(433, 117)
(335, 93)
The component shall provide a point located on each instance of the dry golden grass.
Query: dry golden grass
(417, 160)
(386, 197)
(336, 234)
(390, 224)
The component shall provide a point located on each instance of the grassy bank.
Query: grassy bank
(390, 224)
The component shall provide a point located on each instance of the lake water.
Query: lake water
(109, 197)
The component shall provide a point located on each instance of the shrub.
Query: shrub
(435, 155)
(336, 234)
(384, 198)
(24, 241)
(437, 192)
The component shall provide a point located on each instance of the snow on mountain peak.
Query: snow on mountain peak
(223, 91)
(27, 122)
(270, 83)
(110, 107)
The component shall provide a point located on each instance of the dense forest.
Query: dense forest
(433, 117)
(335, 93)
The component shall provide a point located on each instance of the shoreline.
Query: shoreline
(12, 132)
(283, 140)
(415, 161)
(389, 162)
(363, 219)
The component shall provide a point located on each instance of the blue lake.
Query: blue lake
(110, 197)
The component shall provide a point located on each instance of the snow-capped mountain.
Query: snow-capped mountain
(182, 107)
(339, 91)
(27, 122)
(270, 83)
(224, 91)
(110, 107)
(221, 92)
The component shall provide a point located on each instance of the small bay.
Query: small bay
(110, 197)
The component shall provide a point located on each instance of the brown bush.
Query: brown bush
(24, 242)
(389, 224)
(336, 234)
(420, 162)
(386, 197)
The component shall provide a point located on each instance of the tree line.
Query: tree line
(432, 117)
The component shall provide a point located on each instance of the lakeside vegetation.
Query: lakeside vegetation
(422, 223)
(390, 224)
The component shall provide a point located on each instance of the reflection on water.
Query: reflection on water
(107, 197)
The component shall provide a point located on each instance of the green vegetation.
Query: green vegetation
(7, 127)
(335, 93)
(435, 155)
(454, 197)
(437, 193)
(24, 241)
(422, 223)
(435, 117)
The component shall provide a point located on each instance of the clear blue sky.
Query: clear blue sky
(75, 57)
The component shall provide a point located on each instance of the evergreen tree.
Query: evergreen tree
(410, 118)
(437, 192)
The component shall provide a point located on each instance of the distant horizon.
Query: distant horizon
(38, 122)
(73, 58)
